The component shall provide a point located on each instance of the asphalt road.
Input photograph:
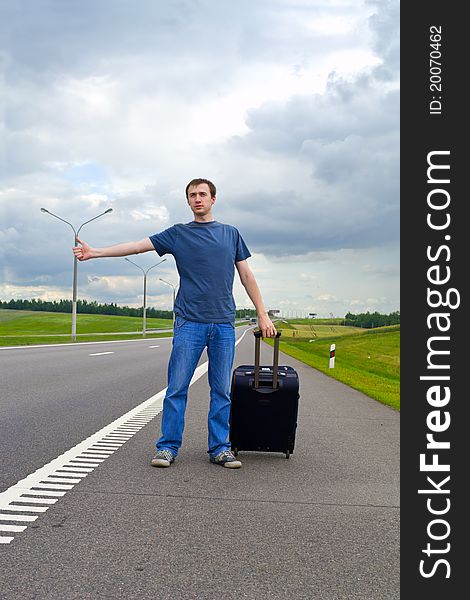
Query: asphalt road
(322, 525)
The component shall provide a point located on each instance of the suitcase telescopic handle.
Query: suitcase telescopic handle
(258, 336)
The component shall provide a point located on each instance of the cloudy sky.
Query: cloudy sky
(291, 107)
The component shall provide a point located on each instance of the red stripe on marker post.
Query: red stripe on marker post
(332, 355)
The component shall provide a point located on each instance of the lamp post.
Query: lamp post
(174, 296)
(144, 312)
(75, 261)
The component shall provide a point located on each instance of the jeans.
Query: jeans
(189, 340)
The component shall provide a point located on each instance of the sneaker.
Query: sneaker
(226, 459)
(163, 458)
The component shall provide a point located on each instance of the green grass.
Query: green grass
(367, 359)
(26, 328)
(313, 330)
(23, 327)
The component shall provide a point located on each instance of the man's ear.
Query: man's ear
(213, 199)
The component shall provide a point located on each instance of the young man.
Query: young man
(206, 252)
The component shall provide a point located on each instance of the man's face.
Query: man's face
(199, 199)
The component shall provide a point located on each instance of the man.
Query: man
(206, 252)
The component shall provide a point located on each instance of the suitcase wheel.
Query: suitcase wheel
(288, 454)
(235, 451)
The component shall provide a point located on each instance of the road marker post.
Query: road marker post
(332, 356)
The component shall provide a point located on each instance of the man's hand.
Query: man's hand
(83, 252)
(266, 326)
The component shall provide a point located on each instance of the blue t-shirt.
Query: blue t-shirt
(205, 255)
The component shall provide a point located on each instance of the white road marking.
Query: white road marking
(77, 344)
(20, 518)
(42, 493)
(74, 472)
(24, 508)
(110, 443)
(50, 481)
(129, 429)
(50, 486)
(66, 480)
(37, 500)
(12, 527)
(154, 346)
(100, 353)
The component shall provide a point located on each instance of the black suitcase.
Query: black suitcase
(264, 405)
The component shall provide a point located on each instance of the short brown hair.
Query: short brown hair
(194, 182)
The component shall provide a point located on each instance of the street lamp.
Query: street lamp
(75, 261)
(174, 295)
(144, 326)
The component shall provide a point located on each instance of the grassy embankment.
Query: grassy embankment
(24, 327)
(366, 359)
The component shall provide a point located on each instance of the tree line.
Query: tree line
(95, 308)
(84, 306)
(367, 320)
(370, 320)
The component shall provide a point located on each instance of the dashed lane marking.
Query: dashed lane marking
(100, 353)
(40, 490)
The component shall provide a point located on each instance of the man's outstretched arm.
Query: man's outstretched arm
(84, 251)
(249, 283)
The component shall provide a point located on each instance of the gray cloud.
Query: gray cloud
(349, 136)
(385, 23)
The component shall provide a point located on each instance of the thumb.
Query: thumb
(79, 241)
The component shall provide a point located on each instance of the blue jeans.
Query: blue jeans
(189, 341)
